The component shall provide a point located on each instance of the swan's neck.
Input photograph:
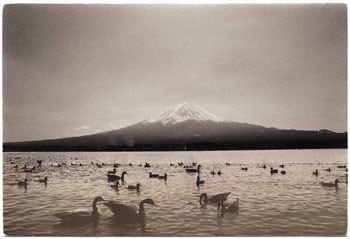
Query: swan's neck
(94, 208)
(141, 209)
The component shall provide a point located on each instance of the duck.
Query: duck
(147, 165)
(116, 165)
(204, 199)
(341, 166)
(228, 164)
(153, 175)
(229, 206)
(283, 172)
(272, 171)
(219, 173)
(244, 169)
(29, 170)
(130, 164)
(129, 213)
(112, 177)
(328, 169)
(112, 172)
(43, 180)
(165, 177)
(264, 166)
(23, 183)
(39, 162)
(281, 166)
(315, 173)
(116, 185)
(171, 164)
(212, 173)
(335, 184)
(194, 170)
(81, 216)
(199, 181)
(133, 187)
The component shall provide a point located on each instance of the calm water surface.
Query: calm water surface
(291, 204)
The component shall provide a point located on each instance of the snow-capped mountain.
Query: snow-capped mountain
(187, 126)
(183, 112)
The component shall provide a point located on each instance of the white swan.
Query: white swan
(81, 216)
(129, 213)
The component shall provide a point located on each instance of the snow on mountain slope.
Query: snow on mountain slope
(183, 112)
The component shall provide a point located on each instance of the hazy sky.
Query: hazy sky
(80, 69)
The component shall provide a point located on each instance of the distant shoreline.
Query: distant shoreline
(165, 149)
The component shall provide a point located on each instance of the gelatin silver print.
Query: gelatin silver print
(175, 120)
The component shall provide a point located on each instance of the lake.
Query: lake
(294, 204)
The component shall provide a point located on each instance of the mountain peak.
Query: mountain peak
(183, 112)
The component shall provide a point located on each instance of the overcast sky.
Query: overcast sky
(80, 69)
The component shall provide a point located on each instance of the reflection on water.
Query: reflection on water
(269, 204)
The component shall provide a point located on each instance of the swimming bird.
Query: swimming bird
(116, 185)
(43, 180)
(129, 213)
(112, 172)
(244, 169)
(264, 166)
(281, 166)
(272, 171)
(22, 184)
(81, 216)
(165, 177)
(130, 164)
(153, 175)
(133, 187)
(199, 181)
(283, 172)
(328, 169)
(341, 166)
(315, 173)
(112, 177)
(229, 206)
(194, 170)
(204, 199)
(219, 173)
(228, 164)
(147, 165)
(29, 170)
(335, 184)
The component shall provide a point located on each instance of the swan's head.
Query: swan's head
(98, 199)
(138, 185)
(149, 201)
(336, 181)
(124, 173)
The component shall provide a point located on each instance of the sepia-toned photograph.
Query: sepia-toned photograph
(174, 120)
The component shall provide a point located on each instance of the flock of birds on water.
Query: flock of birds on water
(126, 213)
